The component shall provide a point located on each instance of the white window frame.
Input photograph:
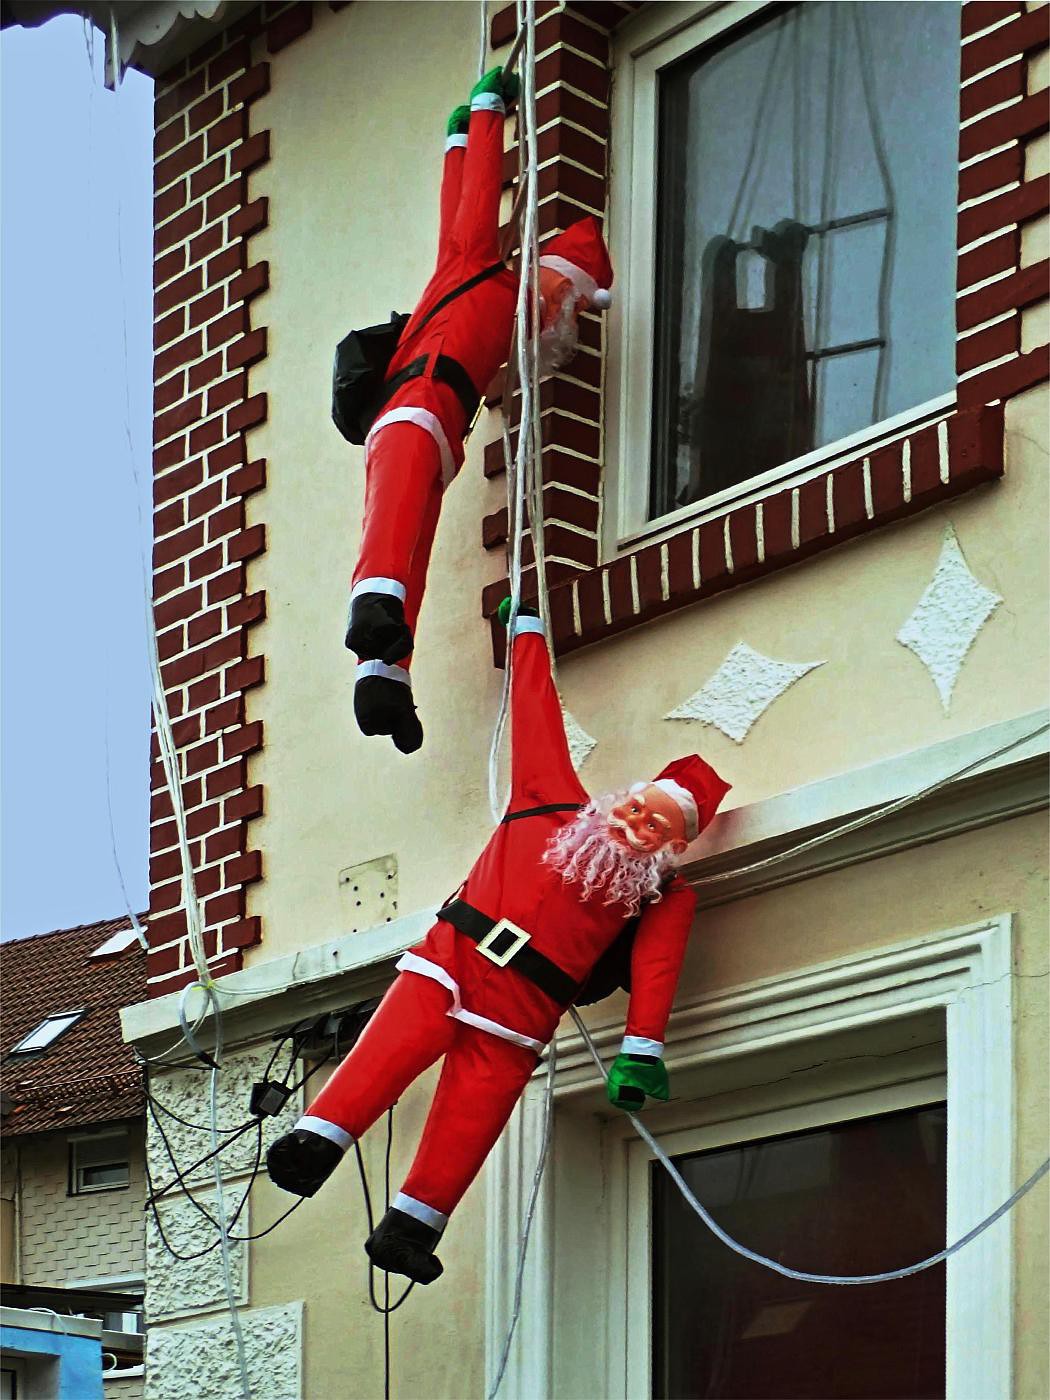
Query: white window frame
(77, 1141)
(661, 34)
(30, 1044)
(573, 1336)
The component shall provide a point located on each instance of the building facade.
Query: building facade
(795, 491)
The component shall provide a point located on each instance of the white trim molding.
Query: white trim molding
(958, 981)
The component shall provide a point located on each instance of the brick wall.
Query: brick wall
(65, 1238)
(206, 340)
(1001, 114)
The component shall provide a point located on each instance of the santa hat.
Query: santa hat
(580, 255)
(697, 789)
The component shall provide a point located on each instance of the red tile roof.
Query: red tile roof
(88, 1075)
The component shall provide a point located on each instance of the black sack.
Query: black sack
(612, 972)
(361, 361)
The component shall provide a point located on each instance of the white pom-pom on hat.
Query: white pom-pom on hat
(602, 299)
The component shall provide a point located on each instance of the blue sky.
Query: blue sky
(72, 626)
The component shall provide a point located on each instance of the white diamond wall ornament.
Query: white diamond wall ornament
(580, 742)
(741, 691)
(947, 618)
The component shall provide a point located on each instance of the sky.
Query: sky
(73, 659)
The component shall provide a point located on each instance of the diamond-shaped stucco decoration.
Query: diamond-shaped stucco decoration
(741, 690)
(579, 741)
(947, 618)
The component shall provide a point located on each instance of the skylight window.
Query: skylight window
(47, 1032)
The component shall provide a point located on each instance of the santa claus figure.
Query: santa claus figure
(449, 352)
(554, 888)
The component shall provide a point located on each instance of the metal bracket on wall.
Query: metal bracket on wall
(370, 889)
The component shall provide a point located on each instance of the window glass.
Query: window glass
(806, 237)
(46, 1033)
(100, 1163)
(858, 1197)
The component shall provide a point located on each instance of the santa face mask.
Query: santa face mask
(596, 852)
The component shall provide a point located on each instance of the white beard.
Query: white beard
(584, 853)
(559, 341)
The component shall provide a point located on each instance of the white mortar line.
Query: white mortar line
(869, 506)
(942, 451)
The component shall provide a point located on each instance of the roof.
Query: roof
(152, 35)
(87, 1075)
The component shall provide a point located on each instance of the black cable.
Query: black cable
(377, 1306)
(386, 1276)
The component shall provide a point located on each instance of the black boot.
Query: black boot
(377, 630)
(383, 706)
(302, 1161)
(401, 1244)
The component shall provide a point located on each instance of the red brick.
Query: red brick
(167, 137)
(999, 254)
(168, 204)
(209, 881)
(165, 897)
(975, 445)
(173, 641)
(249, 350)
(188, 348)
(167, 580)
(243, 869)
(1022, 35)
(168, 518)
(226, 585)
(989, 91)
(289, 25)
(245, 612)
(228, 714)
(250, 219)
(169, 391)
(561, 103)
(205, 179)
(562, 178)
(230, 454)
(247, 415)
(227, 842)
(207, 307)
(201, 629)
(162, 961)
(564, 66)
(227, 391)
(227, 649)
(226, 779)
(232, 128)
(234, 323)
(224, 265)
(177, 419)
(236, 58)
(248, 479)
(177, 546)
(503, 26)
(182, 670)
(250, 154)
(850, 512)
(743, 541)
(205, 691)
(250, 282)
(203, 756)
(206, 243)
(227, 521)
(178, 607)
(160, 806)
(992, 173)
(246, 805)
(250, 85)
(1004, 338)
(243, 934)
(168, 327)
(887, 480)
(169, 265)
(229, 905)
(925, 464)
(177, 230)
(713, 571)
(177, 482)
(204, 500)
(248, 544)
(246, 674)
(1004, 381)
(180, 162)
(1014, 292)
(979, 14)
(1024, 120)
(205, 371)
(228, 197)
(206, 435)
(171, 454)
(173, 100)
(203, 113)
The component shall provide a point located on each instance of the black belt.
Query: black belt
(447, 371)
(506, 945)
(541, 811)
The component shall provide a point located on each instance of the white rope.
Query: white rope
(483, 37)
(800, 1274)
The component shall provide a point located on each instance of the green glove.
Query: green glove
(458, 122)
(634, 1076)
(524, 610)
(506, 86)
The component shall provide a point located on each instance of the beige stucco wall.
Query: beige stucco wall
(67, 1238)
(357, 113)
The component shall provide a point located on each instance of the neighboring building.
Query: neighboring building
(796, 507)
(74, 1146)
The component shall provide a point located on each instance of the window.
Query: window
(799, 164)
(99, 1163)
(117, 942)
(47, 1032)
(853, 1197)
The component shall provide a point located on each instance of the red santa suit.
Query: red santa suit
(490, 1022)
(415, 446)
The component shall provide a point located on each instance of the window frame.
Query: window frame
(75, 1186)
(71, 1018)
(658, 36)
(573, 1276)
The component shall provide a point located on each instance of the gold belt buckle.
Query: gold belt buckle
(486, 947)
